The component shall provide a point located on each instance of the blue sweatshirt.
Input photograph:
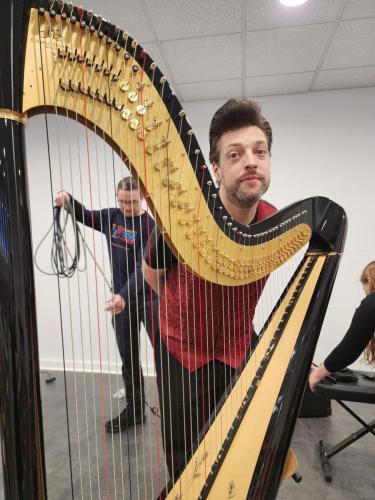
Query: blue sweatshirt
(127, 239)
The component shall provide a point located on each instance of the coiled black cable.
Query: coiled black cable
(64, 262)
(60, 252)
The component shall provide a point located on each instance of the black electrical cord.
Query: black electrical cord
(60, 253)
(64, 262)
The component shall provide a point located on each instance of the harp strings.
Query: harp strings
(79, 294)
(102, 337)
(133, 330)
(151, 134)
(125, 468)
(59, 287)
(80, 160)
(154, 131)
(202, 300)
(145, 97)
(71, 51)
(102, 60)
(167, 387)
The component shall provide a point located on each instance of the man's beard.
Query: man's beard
(246, 200)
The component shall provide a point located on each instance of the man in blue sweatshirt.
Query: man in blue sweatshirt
(126, 230)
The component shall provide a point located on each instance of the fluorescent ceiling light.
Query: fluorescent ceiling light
(292, 3)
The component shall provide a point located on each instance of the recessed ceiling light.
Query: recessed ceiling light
(292, 3)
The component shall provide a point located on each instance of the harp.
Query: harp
(61, 59)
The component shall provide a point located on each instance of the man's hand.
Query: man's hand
(115, 305)
(62, 199)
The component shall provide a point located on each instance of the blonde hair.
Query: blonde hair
(368, 276)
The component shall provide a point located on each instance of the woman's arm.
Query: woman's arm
(359, 334)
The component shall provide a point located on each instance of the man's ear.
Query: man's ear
(217, 171)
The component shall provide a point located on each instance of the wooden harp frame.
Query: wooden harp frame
(316, 221)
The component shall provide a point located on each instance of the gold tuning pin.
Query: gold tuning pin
(132, 96)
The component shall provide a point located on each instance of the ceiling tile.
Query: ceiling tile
(262, 14)
(345, 78)
(278, 84)
(204, 91)
(204, 59)
(287, 50)
(359, 9)
(127, 14)
(198, 43)
(182, 19)
(153, 50)
(352, 45)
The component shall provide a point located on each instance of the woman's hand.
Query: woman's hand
(317, 374)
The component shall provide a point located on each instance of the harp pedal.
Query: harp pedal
(290, 467)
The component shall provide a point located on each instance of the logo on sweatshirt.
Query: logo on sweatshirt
(122, 236)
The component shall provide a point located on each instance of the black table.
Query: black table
(359, 391)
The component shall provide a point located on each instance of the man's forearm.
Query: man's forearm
(154, 277)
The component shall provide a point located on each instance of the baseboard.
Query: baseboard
(94, 367)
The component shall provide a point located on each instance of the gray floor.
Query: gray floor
(121, 468)
(353, 469)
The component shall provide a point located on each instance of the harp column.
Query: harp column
(20, 405)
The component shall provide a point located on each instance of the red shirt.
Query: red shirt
(201, 321)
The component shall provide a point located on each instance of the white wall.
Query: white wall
(89, 341)
(323, 145)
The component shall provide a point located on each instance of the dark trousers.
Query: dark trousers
(186, 400)
(127, 326)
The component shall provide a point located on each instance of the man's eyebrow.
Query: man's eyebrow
(260, 142)
(255, 143)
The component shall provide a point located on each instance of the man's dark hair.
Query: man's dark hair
(127, 184)
(235, 114)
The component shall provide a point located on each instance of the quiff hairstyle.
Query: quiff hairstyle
(235, 114)
(127, 184)
(368, 276)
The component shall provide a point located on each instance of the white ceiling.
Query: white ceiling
(216, 49)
